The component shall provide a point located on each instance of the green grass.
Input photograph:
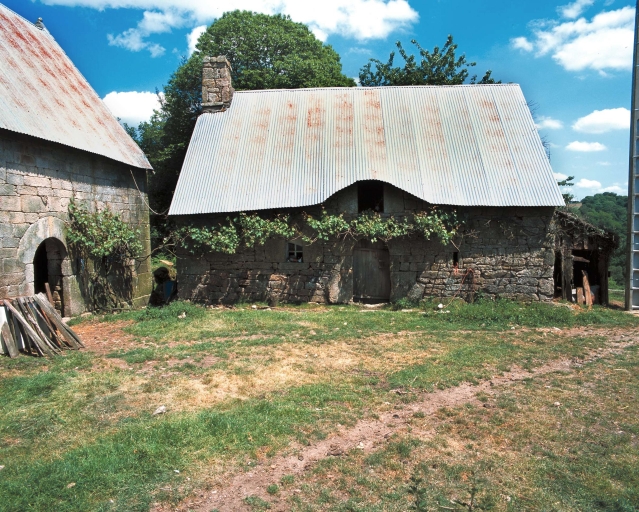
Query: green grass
(524, 453)
(617, 295)
(79, 419)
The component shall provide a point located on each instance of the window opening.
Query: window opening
(455, 263)
(295, 253)
(370, 196)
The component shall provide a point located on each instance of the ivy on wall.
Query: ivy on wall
(102, 237)
(247, 230)
(101, 234)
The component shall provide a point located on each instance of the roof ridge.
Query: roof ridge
(383, 87)
(22, 17)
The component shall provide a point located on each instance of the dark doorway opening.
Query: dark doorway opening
(558, 275)
(585, 261)
(370, 196)
(47, 269)
(371, 273)
(40, 269)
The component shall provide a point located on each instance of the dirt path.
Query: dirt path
(366, 435)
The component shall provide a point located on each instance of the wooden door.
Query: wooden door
(371, 275)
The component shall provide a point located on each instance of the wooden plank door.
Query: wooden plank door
(371, 275)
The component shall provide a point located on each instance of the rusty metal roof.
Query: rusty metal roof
(43, 94)
(473, 145)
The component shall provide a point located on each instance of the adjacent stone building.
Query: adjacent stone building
(395, 150)
(59, 142)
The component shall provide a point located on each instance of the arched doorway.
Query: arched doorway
(371, 272)
(47, 269)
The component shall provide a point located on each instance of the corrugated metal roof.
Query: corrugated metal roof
(42, 94)
(473, 145)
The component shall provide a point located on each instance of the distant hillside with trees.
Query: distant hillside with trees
(609, 211)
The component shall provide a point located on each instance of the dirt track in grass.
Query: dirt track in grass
(368, 436)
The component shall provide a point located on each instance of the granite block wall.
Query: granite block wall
(37, 181)
(505, 252)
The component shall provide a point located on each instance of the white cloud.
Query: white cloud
(522, 43)
(585, 183)
(602, 121)
(357, 19)
(193, 36)
(132, 107)
(585, 147)
(586, 187)
(548, 123)
(604, 43)
(152, 22)
(614, 188)
(559, 176)
(574, 10)
(604, 164)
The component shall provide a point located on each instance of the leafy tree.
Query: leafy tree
(439, 67)
(165, 137)
(265, 52)
(272, 52)
(610, 211)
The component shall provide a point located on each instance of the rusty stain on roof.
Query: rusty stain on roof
(42, 94)
(473, 145)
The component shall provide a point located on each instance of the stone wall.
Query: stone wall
(506, 252)
(37, 181)
(217, 91)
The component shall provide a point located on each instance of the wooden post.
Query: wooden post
(587, 291)
(580, 295)
(603, 278)
(9, 342)
(566, 270)
(49, 296)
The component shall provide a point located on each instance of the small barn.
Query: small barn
(396, 151)
(59, 142)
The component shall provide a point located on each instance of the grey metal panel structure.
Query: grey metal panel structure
(43, 94)
(632, 262)
(473, 145)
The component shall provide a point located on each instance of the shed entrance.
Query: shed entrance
(371, 273)
(47, 268)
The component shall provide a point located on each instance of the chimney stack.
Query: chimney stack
(217, 91)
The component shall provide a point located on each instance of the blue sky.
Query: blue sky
(573, 59)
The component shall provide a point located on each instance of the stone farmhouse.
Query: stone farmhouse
(58, 141)
(396, 150)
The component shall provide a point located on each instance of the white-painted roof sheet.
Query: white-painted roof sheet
(473, 145)
(43, 94)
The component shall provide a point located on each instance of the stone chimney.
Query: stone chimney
(217, 91)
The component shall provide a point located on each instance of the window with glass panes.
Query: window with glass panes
(295, 253)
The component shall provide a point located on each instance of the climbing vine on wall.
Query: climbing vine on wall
(251, 229)
(244, 230)
(104, 238)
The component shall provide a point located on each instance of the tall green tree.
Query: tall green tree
(265, 52)
(272, 52)
(439, 67)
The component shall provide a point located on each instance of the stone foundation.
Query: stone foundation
(37, 181)
(506, 252)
